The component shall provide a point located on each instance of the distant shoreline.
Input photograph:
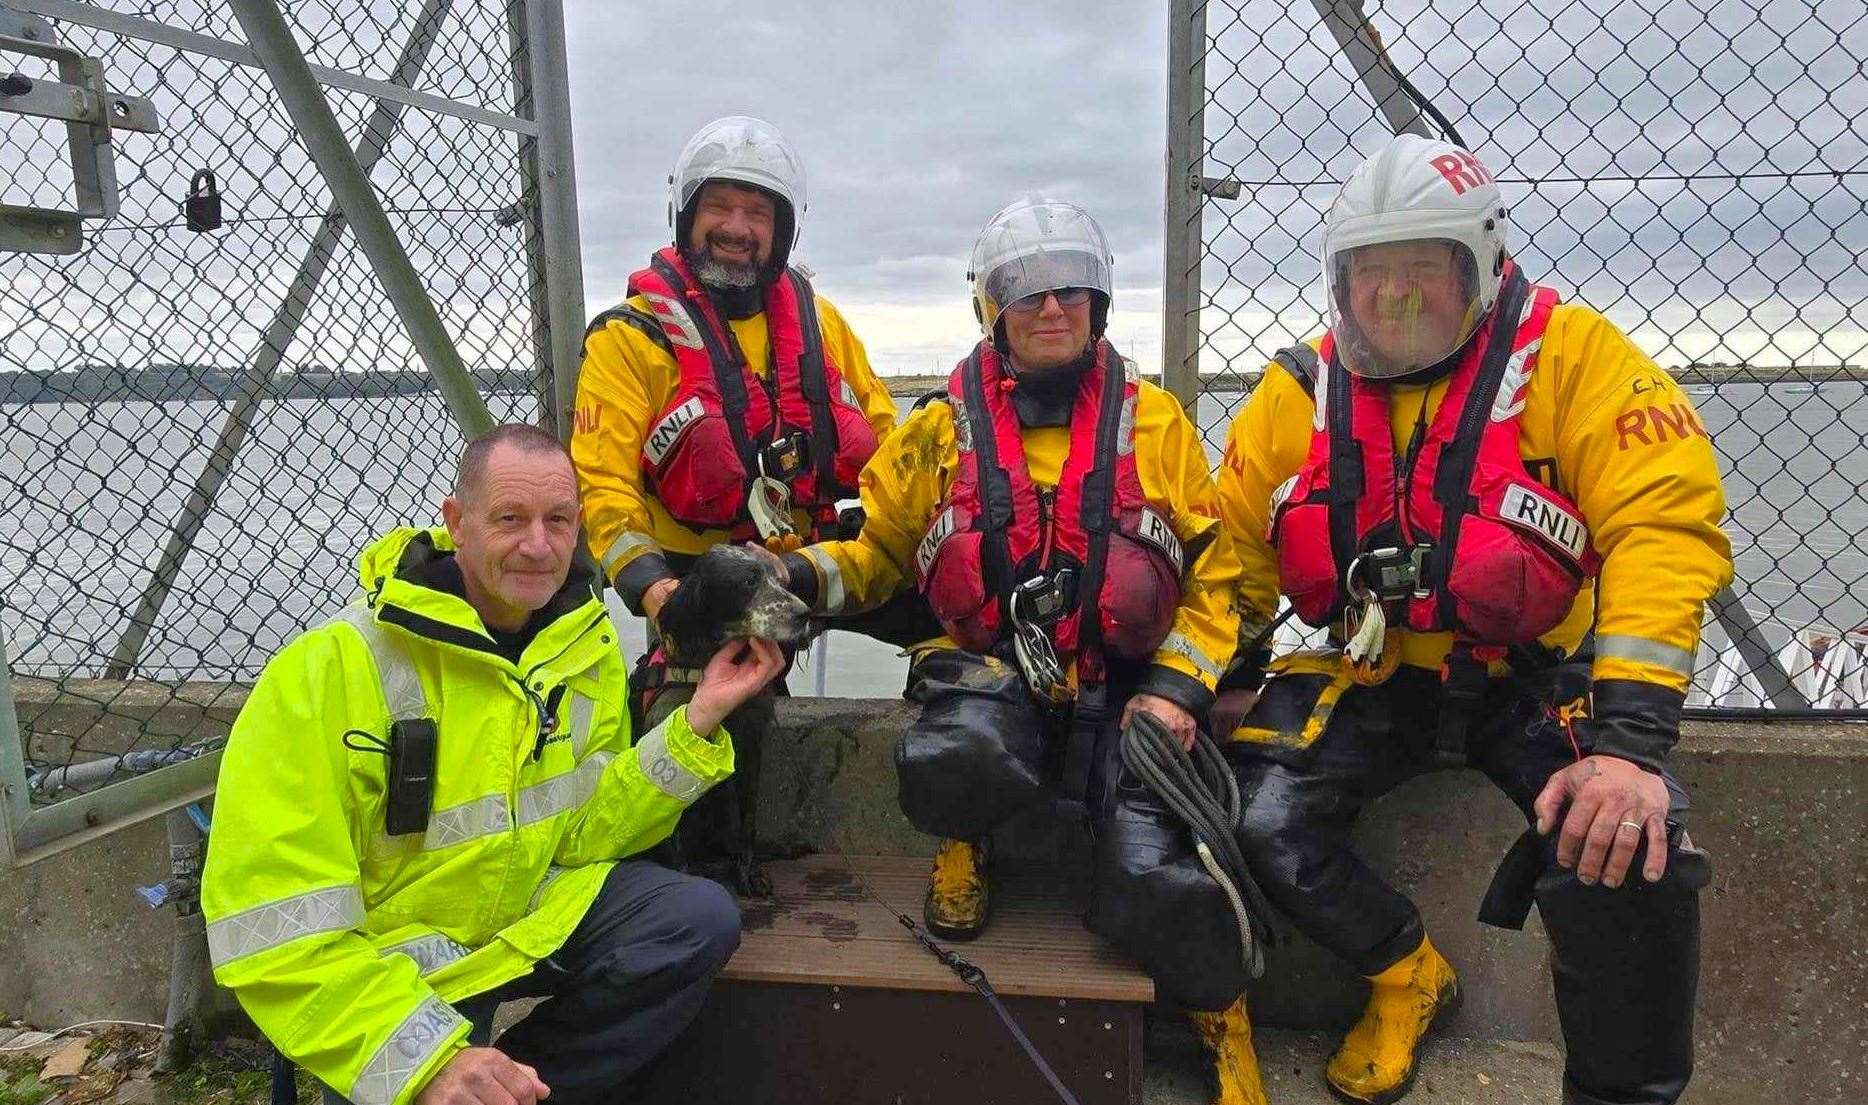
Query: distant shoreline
(181, 383)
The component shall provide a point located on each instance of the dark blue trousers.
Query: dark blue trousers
(632, 975)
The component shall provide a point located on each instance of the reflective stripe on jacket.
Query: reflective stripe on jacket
(347, 945)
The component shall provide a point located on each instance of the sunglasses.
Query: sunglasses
(1066, 297)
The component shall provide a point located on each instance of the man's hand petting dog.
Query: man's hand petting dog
(772, 561)
(735, 673)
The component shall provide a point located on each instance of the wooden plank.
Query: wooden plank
(823, 926)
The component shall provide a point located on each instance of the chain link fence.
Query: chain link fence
(201, 430)
(1697, 170)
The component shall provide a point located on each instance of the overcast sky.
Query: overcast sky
(916, 122)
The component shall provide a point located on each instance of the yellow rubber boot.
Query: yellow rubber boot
(957, 901)
(1228, 1040)
(1377, 1061)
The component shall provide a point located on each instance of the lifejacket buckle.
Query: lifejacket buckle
(1044, 599)
(786, 458)
(1036, 604)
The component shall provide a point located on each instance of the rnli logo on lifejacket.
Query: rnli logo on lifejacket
(674, 320)
(1526, 508)
(668, 431)
(1154, 530)
(937, 535)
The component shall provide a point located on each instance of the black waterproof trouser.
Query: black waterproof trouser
(983, 750)
(632, 975)
(1626, 960)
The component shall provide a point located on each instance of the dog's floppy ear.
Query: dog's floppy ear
(682, 621)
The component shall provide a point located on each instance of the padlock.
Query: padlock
(203, 205)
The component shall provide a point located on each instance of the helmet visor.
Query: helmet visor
(1036, 271)
(1399, 307)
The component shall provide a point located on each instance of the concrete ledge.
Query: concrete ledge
(1782, 808)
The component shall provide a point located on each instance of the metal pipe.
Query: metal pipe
(129, 26)
(184, 1028)
(384, 120)
(323, 138)
(556, 175)
(1363, 47)
(1748, 637)
(15, 806)
(1183, 234)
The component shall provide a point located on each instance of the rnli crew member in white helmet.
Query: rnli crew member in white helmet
(1060, 518)
(1510, 518)
(723, 400)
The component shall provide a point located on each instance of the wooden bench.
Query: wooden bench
(829, 999)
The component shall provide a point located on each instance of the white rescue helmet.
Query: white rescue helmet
(1414, 190)
(746, 151)
(1038, 245)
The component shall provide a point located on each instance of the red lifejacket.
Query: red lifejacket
(1500, 555)
(996, 532)
(725, 426)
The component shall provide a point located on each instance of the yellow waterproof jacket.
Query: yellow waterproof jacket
(907, 480)
(628, 379)
(1608, 428)
(346, 945)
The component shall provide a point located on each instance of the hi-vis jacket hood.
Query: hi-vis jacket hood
(345, 944)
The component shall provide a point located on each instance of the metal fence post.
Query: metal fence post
(271, 39)
(1183, 237)
(384, 121)
(548, 86)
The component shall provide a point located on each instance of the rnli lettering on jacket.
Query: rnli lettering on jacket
(1502, 555)
(726, 426)
(997, 529)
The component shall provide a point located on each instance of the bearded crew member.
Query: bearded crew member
(1059, 517)
(723, 400)
(1511, 516)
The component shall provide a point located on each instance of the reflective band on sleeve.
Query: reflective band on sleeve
(834, 596)
(402, 686)
(431, 952)
(1179, 644)
(408, 1049)
(567, 791)
(1644, 651)
(629, 545)
(583, 713)
(662, 769)
(262, 928)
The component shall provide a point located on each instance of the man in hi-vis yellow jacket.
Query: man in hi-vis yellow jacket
(429, 803)
(1510, 516)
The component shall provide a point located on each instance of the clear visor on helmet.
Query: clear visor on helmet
(1399, 307)
(1036, 272)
